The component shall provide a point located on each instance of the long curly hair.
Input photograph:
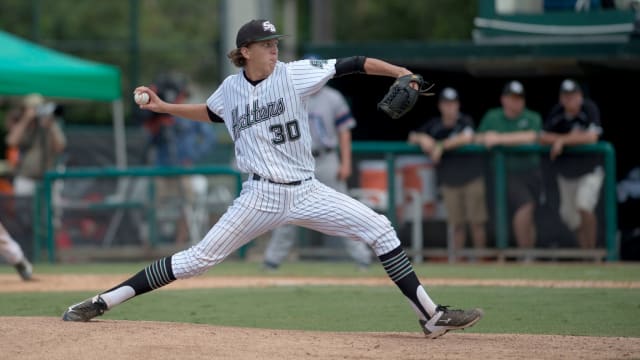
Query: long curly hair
(237, 58)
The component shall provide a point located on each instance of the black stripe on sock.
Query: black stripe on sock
(398, 267)
(156, 275)
(159, 273)
(391, 254)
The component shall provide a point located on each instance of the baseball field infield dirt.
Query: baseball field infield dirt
(51, 338)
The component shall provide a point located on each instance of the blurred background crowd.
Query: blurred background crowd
(507, 73)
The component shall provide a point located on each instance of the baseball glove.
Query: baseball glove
(401, 97)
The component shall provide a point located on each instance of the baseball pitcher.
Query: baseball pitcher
(264, 108)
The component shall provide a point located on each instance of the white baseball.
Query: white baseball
(141, 98)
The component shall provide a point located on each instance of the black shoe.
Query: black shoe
(24, 269)
(85, 310)
(269, 266)
(446, 319)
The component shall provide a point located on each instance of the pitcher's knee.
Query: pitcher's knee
(192, 262)
(385, 242)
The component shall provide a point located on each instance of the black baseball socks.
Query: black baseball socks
(397, 265)
(154, 276)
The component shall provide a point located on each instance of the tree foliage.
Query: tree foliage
(404, 20)
(184, 35)
(172, 36)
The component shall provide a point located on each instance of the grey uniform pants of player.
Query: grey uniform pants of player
(283, 238)
(263, 206)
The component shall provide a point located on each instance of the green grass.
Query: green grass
(543, 271)
(595, 312)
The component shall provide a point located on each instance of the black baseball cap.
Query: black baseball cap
(513, 88)
(448, 94)
(256, 30)
(569, 86)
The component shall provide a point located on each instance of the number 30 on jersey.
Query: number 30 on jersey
(283, 133)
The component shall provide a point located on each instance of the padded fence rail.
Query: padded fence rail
(119, 174)
(389, 152)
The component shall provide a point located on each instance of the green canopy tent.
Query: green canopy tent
(26, 68)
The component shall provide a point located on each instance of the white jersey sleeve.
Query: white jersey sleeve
(309, 76)
(215, 102)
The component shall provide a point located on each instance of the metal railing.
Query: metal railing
(51, 177)
(390, 150)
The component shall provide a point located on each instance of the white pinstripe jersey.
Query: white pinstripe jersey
(269, 122)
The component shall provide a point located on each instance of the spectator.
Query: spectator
(574, 121)
(514, 124)
(460, 175)
(164, 140)
(182, 143)
(176, 142)
(35, 133)
(330, 122)
(12, 253)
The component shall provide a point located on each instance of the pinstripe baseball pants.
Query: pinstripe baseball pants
(263, 206)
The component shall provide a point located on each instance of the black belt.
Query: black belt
(258, 177)
(322, 151)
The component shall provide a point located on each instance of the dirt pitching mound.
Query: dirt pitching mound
(52, 338)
